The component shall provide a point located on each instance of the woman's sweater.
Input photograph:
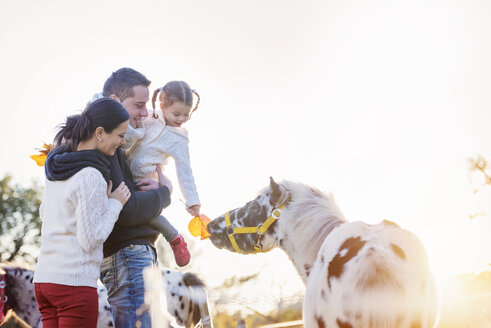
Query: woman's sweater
(77, 217)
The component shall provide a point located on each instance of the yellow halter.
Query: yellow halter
(260, 230)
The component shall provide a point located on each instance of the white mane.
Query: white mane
(306, 221)
(313, 215)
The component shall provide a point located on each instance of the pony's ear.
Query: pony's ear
(278, 192)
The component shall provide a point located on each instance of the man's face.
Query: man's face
(137, 105)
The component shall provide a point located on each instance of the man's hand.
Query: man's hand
(147, 184)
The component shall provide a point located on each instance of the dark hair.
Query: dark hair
(175, 91)
(121, 83)
(103, 112)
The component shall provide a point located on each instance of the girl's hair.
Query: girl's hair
(175, 91)
(103, 112)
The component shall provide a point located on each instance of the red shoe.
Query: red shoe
(180, 249)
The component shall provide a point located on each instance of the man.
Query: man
(130, 247)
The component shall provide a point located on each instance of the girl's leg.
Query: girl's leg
(161, 224)
(176, 241)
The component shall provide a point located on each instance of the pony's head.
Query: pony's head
(252, 227)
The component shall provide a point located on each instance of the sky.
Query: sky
(379, 102)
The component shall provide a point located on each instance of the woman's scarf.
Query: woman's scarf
(61, 165)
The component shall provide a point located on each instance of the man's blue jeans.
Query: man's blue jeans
(122, 274)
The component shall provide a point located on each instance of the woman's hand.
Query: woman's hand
(121, 193)
(194, 210)
(163, 180)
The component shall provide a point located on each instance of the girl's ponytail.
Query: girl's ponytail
(197, 103)
(154, 99)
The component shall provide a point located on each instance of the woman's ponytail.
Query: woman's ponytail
(104, 112)
(76, 129)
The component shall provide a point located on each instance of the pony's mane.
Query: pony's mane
(314, 213)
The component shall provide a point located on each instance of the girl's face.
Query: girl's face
(111, 141)
(176, 114)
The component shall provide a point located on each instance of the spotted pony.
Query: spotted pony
(21, 302)
(356, 274)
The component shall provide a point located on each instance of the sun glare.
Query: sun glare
(462, 249)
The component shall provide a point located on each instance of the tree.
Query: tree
(480, 166)
(20, 225)
(479, 179)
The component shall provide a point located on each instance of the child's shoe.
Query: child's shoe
(180, 249)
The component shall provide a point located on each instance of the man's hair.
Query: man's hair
(121, 83)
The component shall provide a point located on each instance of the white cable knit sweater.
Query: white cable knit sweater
(77, 217)
(152, 145)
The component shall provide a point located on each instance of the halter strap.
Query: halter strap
(260, 229)
(3, 297)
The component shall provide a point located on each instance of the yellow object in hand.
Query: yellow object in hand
(197, 226)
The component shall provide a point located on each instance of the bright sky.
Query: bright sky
(380, 102)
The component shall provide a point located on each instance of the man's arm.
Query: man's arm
(143, 206)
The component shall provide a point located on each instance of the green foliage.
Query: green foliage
(20, 225)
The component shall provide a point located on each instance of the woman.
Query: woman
(78, 212)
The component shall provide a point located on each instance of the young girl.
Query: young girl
(160, 138)
(78, 212)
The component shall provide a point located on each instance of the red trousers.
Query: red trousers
(67, 306)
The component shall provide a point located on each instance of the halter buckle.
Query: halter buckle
(230, 231)
(2, 284)
(259, 226)
(258, 247)
(5, 299)
(276, 214)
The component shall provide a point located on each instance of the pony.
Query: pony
(20, 298)
(187, 299)
(356, 274)
(188, 306)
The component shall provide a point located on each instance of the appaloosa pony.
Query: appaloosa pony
(19, 297)
(356, 274)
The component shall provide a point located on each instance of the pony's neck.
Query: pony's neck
(302, 233)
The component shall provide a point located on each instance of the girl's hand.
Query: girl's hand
(163, 180)
(121, 193)
(194, 210)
